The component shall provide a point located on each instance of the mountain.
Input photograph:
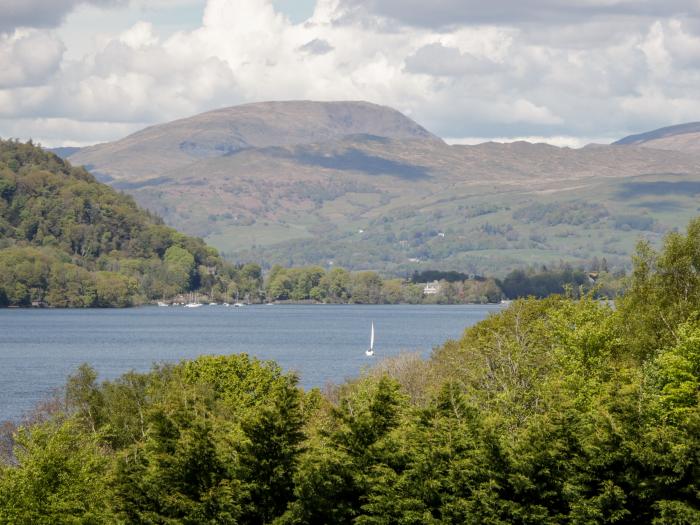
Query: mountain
(223, 132)
(362, 186)
(64, 152)
(683, 137)
(68, 240)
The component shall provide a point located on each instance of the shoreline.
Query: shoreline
(289, 303)
(220, 305)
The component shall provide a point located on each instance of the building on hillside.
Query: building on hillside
(431, 288)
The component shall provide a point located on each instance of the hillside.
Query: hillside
(683, 137)
(64, 152)
(159, 149)
(68, 240)
(364, 187)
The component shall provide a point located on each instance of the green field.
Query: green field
(490, 233)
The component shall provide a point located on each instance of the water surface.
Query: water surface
(323, 343)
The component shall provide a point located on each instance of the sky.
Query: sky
(567, 72)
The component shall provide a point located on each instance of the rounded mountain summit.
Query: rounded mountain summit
(161, 148)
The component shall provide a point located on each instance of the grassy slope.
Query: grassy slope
(487, 232)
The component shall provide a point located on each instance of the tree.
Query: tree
(179, 265)
(279, 286)
(269, 454)
(85, 399)
(178, 474)
(60, 477)
(113, 289)
(664, 289)
(336, 285)
(366, 288)
(332, 483)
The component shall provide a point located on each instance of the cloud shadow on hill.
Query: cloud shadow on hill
(356, 160)
(630, 190)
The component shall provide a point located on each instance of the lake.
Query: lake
(323, 343)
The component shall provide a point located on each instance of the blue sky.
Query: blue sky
(296, 10)
(189, 15)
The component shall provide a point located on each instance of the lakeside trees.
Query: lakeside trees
(553, 411)
(67, 240)
(340, 286)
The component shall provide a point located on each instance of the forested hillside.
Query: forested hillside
(68, 240)
(553, 411)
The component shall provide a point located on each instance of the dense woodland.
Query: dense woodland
(67, 240)
(340, 286)
(561, 410)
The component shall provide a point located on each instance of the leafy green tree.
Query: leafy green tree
(664, 289)
(279, 286)
(124, 405)
(332, 484)
(305, 280)
(113, 289)
(269, 454)
(177, 475)
(70, 286)
(60, 477)
(180, 266)
(366, 288)
(85, 398)
(336, 285)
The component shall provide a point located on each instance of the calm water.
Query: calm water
(39, 348)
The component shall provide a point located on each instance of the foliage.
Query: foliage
(557, 280)
(436, 275)
(338, 285)
(67, 240)
(552, 214)
(557, 410)
(59, 477)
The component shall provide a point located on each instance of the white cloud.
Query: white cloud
(139, 36)
(557, 140)
(316, 46)
(66, 132)
(40, 13)
(451, 13)
(438, 60)
(28, 57)
(492, 76)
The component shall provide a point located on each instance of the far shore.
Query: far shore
(241, 305)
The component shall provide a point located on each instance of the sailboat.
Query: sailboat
(193, 303)
(370, 352)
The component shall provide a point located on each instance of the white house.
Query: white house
(431, 288)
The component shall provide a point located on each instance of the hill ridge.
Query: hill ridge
(223, 131)
(666, 131)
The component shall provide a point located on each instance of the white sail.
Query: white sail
(370, 352)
